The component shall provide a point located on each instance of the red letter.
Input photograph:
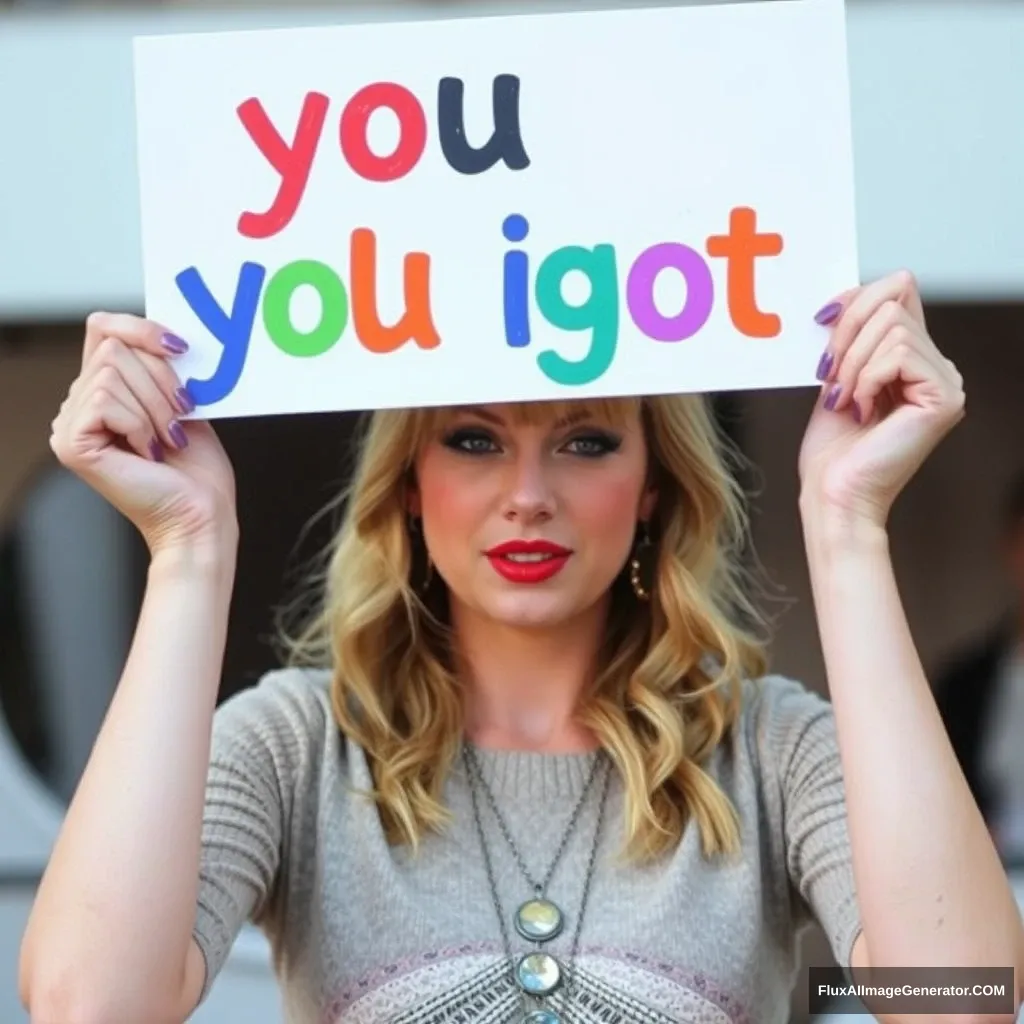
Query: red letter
(741, 247)
(293, 162)
(417, 323)
(412, 138)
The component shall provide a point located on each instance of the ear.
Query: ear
(648, 502)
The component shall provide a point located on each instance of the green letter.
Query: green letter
(277, 304)
(599, 314)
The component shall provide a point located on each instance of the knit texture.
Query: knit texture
(365, 932)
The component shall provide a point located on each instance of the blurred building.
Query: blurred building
(937, 87)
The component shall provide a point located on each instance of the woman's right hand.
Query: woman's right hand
(118, 429)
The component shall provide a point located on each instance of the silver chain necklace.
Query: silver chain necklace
(537, 975)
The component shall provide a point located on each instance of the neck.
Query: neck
(523, 686)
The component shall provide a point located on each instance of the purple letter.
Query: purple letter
(700, 292)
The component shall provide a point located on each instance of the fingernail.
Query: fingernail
(828, 314)
(825, 365)
(156, 449)
(833, 397)
(184, 399)
(175, 345)
(177, 433)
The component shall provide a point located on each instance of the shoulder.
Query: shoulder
(776, 710)
(287, 697)
(786, 730)
(282, 721)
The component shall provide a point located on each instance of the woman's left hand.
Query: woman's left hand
(889, 397)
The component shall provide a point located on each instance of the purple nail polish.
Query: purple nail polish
(833, 397)
(828, 314)
(156, 449)
(177, 433)
(173, 344)
(825, 365)
(184, 400)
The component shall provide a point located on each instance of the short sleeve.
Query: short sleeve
(258, 739)
(799, 731)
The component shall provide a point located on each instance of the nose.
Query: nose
(529, 496)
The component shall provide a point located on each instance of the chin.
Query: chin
(536, 610)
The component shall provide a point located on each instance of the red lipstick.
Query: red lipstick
(528, 561)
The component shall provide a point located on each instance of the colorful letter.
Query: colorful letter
(600, 313)
(700, 292)
(517, 279)
(293, 162)
(412, 138)
(505, 143)
(417, 323)
(233, 332)
(741, 247)
(277, 306)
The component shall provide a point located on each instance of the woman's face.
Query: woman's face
(529, 524)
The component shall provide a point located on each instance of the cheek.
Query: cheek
(606, 508)
(452, 501)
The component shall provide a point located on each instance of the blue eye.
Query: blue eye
(593, 446)
(474, 442)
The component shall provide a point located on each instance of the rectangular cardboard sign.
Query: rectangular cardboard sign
(495, 209)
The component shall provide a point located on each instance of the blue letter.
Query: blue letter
(233, 332)
(517, 276)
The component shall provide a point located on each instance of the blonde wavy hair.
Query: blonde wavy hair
(668, 689)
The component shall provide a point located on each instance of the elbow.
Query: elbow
(74, 1001)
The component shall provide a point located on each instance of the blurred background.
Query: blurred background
(937, 88)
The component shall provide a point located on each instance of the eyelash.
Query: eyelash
(605, 443)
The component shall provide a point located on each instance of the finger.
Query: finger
(133, 331)
(169, 380)
(889, 326)
(107, 409)
(905, 368)
(156, 394)
(849, 316)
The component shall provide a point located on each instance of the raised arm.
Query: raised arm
(109, 936)
(931, 888)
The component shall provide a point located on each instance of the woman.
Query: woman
(541, 773)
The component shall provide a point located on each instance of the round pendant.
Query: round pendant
(542, 1017)
(538, 920)
(538, 974)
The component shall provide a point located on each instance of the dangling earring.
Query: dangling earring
(419, 551)
(636, 566)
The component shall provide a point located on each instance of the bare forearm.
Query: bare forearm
(931, 888)
(116, 906)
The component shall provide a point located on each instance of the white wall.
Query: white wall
(936, 88)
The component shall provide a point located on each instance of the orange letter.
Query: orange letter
(741, 247)
(416, 324)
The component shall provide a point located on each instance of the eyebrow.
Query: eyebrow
(490, 417)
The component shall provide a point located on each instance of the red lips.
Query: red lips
(550, 559)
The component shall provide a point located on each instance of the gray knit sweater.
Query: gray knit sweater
(364, 932)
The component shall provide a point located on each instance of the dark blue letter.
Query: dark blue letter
(517, 281)
(505, 143)
(233, 332)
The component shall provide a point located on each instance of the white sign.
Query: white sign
(497, 209)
